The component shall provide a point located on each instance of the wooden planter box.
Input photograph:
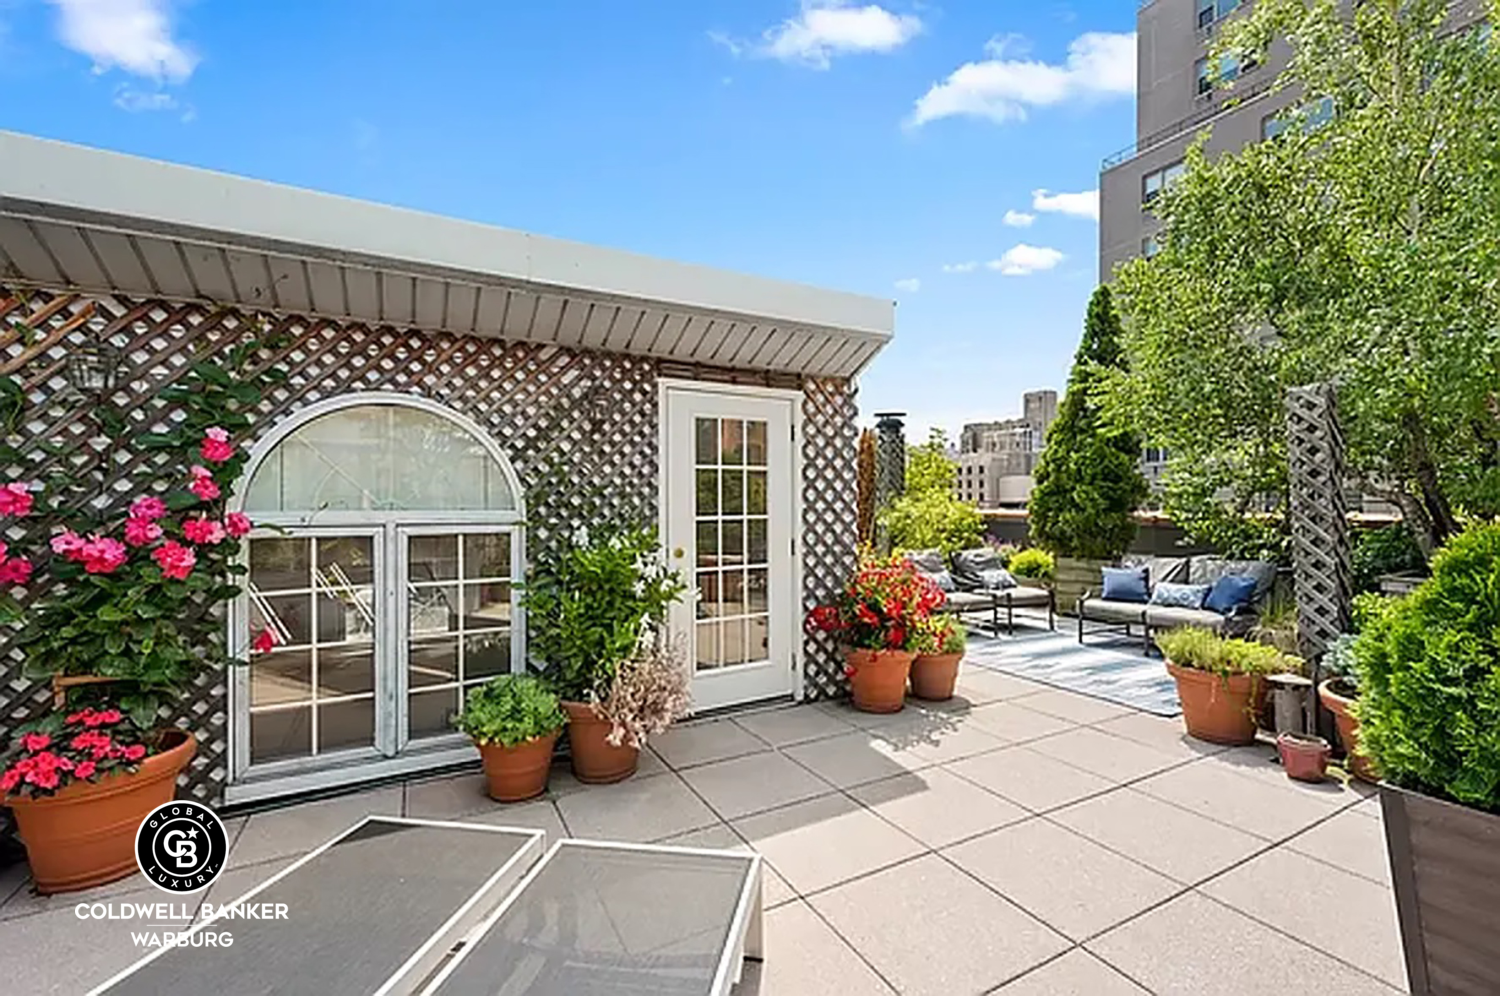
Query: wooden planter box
(1072, 577)
(1445, 865)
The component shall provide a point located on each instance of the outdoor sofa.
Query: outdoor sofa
(1152, 610)
(978, 582)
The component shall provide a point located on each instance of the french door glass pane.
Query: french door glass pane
(459, 595)
(731, 533)
(315, 691)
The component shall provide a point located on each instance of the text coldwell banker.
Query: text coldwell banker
(157, 912)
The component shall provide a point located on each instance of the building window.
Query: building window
(1231, 67)
(1149, 246)
(1153, 183)
(1210, 11)
(1311, 116)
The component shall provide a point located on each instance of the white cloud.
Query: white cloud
(134, 100)
(824, 29)
(1018, 219)
(1084, 204)
(133, 35)
(1003, 88)
(909, 286)
(1022, 260)
(960, 267)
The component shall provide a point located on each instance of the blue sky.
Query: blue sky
(888, 147)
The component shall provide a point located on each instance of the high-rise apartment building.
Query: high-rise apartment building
(996, 459)
(1176, 100)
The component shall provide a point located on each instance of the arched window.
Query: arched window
(388, 540)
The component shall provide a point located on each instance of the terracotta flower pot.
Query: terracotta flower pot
(518, 772)
(595, 760)
(1304, 756)
(84, 835)
(1359, 765)
(933, 677)
(877, 678)
(1217, 708)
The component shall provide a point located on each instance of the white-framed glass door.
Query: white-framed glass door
(729, 525)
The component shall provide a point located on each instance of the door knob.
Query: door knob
(677, 552)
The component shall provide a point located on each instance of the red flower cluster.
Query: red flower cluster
(879, 606)
(87, 744)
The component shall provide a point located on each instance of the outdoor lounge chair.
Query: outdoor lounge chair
(981, 571)
(930, 564)
(1117, 615)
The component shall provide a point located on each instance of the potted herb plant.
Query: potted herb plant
(515, 721)
(939, 643)
(587, 607)
(1221, 682)
(874, 619)
(122, 612)
(1429, 698)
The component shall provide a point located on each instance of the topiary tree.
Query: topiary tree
(1429, 677)
(1088, 480)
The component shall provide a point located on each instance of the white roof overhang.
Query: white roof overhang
(104, 222)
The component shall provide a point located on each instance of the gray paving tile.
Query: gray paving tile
(538, 814)
(854, 758)
(447, 797)
(1074, 707)
(937, 807)
(561, 781)
(930, 929)
(1352, 841)
(1010, 721)
(793, 725)
(1174, 841)
(1076, 973)
(1160, 733)
(1261, 763)
(298, 829)
(1066, 881)
(1033, 780)
(936, 745)
(639, 810)
(825, 841)
(1109, 756)
(56, 952)
(775, 890)
(981, 685)
(1345, 915)
(1193, 946)
(700, 743)
(748, 785)
(804, 955)
(1264, 808)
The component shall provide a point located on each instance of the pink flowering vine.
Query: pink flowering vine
(15, 499)
(203, 484)
(215, 446)
(237, 524)
(175, 560)
(148, 507)
(141, 532)
(203, 531)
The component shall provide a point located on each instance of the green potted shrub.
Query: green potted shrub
(1088, 481)
(1429, 717)
(515, 721)
(939, 643)
(1032, 562)
(588, 606)
(1221, 682)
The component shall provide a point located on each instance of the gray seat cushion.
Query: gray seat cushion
(1102, 610)
(1171, 616)
(927, 561)
(968, 601)
(969, 565)
(1022, 595)
(1158, 569)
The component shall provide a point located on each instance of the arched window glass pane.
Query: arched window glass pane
(383, 458)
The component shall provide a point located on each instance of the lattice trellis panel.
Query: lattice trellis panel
(580, 428)
(1320, 525)
(830, 442)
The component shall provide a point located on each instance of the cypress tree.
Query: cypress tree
(1088, 480)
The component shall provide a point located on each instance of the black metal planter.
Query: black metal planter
(1445, 865)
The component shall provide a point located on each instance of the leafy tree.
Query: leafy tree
(1361, 251)
(929, 515)
(1088, 480)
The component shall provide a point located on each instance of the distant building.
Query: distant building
(996, 459)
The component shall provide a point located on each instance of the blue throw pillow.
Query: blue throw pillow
(1179, 596)
(1230, 592)
(1125, 584)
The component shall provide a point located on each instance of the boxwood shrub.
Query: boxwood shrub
(1429, 670)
